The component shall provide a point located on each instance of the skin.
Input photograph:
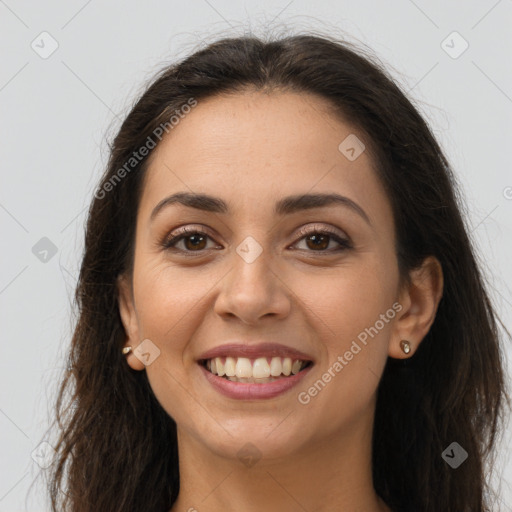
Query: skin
(251, 149)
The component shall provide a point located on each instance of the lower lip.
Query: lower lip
(250, 390)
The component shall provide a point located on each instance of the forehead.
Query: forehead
(252, 146)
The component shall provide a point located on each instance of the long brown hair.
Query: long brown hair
(117, 447)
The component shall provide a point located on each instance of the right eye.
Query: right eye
(193, 239)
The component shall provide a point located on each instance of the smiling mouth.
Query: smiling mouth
(260, 370)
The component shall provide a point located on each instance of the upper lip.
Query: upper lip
(254, 351)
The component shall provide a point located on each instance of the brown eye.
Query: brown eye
(319, 240)
(195, 241)
(192, 240)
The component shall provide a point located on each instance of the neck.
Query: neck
(331, 474)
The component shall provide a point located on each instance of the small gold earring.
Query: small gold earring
(406, 346)
(126, 350)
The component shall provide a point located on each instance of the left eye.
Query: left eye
(319, 240)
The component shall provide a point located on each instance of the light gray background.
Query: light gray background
(56, 113)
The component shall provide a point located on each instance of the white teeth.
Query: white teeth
(229, 367)
(220, 367)
(253, 380)
(287, 366)
(261, 369)
(243, 369)
(276, 367)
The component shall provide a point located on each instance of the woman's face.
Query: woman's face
(262, 270)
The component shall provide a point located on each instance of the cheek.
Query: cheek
(168, 304)
(355, 343)
(167, 300)
(352, 313)
(347, 300)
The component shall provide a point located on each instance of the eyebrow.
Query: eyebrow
(284, 206)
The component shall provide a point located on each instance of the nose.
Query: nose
(253, 290)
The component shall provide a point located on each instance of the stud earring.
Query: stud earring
(126, 350)
(406, 346)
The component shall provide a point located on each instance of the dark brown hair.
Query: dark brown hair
(117, 447)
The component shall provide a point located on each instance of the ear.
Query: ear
(129, 319)
(419, 300)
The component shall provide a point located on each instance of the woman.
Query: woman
(277, 250)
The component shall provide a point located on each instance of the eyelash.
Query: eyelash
(169, 242)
